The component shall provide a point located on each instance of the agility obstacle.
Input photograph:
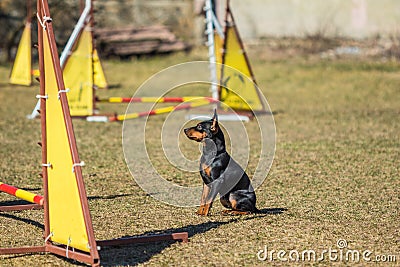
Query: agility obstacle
(196, 103)
(189, 102)
(151, 99)
(234, 85)
(21, 72)
(229, 85)
(36, 201)
(68, 229)
(81, 66)
(22, 194)
(238, 82)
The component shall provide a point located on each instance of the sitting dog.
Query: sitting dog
(221, 173)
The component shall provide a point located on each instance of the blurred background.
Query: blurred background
(330, 27)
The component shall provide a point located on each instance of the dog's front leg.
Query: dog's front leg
(203, 209)
(210, 191)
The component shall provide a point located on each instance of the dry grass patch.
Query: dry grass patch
(335, 173)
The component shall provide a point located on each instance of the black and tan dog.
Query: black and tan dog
(221, 173)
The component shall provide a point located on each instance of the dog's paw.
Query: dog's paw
(202, 211)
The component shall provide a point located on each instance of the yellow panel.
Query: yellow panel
(218, 45)
(239, 82)
(21, 72)
(78, 76)
(99, 77)
(36, 73)
(65, 209)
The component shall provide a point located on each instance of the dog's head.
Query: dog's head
(204, 129)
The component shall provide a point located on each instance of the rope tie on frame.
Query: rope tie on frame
(62, 91)
(42, 96)
(48, 165)
(66, 253)
(48, 237)
(77, 164)
(45, 19)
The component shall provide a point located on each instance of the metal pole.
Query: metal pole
(68, 47)
(75, 34)
(211, 50)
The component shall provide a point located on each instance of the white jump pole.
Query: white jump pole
(68, 47)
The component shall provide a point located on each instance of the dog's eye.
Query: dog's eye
(199, 127)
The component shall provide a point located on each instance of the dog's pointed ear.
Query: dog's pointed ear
(214, 125)
(215, 117)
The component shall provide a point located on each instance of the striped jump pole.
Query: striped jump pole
(150, 99)
(199, 102)
(22, 194)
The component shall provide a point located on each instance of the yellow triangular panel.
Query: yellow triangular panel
(78, 76)
(98, 73)
(66, 219)
(242, 93)
(21, 71)
(218, 46)
(35, 73)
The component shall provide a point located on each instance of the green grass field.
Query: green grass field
(335, 174)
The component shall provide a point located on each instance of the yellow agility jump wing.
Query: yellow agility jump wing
(78, 76)
(238, 87)
(218, 46)
(67, 223)
(21, 71)
(98, 74)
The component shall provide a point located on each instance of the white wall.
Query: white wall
(331, 18)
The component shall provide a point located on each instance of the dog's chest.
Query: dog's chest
(206, 168)
(212, 166)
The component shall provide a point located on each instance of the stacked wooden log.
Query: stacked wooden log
(132, 41)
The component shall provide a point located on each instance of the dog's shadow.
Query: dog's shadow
(272, 211)
(132, 255)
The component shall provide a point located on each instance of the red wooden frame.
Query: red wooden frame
(92, 257)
